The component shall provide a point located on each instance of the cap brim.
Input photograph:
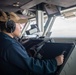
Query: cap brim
(22, 20)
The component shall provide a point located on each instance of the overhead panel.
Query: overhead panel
(63, 3)
(31, 4)
(13, 5)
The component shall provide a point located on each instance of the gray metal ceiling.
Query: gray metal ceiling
(63, 3)
(7, 5)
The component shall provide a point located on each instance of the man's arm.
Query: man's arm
(20, 58)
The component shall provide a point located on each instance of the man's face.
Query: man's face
(18, 29)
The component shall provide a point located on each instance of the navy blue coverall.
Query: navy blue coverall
(14, 59)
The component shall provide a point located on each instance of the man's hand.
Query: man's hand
(60, 59)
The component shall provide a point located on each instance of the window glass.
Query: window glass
(64, 27)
